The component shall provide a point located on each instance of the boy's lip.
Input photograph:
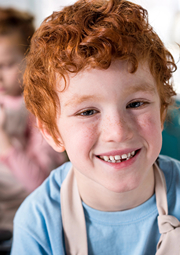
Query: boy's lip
(123, 162)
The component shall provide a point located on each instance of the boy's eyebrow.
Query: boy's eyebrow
(78, 100)
(145, 86)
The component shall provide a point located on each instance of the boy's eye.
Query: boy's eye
(135, 104)
(88, 112)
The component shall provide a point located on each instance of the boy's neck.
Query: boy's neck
(102, 199)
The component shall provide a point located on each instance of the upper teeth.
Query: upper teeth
(118, 158)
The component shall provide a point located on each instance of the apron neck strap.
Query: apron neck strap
(74, 225)
(73, 219)
(160, 191)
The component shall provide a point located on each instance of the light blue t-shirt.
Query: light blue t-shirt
(38, 225)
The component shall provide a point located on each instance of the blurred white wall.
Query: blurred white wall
(164, 16)
(40, 8)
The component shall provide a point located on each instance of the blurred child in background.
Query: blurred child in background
(25, 158)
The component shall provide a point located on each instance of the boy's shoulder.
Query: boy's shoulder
(48, 193)
(40, 214)
(171, 169)
(167, 163)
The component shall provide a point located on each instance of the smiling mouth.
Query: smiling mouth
(119, 158)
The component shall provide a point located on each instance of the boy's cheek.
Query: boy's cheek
(150, 130)
(150, 124)
(79, 135)
(90, 132)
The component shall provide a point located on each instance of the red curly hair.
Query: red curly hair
(91, 33)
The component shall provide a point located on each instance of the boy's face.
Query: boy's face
(10, 60)
(111, 115)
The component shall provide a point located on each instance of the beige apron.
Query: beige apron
(74, 225)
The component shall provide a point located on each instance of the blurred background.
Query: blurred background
(164, 16)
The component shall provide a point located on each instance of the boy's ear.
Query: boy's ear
(49, 139)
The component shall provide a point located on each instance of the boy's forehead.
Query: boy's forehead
(80, 86)
(116, 67)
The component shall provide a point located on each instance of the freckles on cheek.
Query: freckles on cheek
(150, 123)
(89, 132)
(86, 133)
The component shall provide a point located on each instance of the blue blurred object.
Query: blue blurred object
(171, 132)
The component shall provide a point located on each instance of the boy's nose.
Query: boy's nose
(117, 129)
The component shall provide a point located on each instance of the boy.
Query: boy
(97, 80)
